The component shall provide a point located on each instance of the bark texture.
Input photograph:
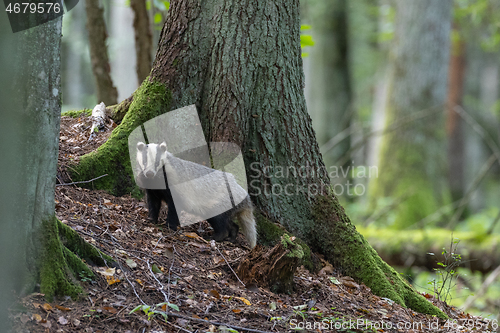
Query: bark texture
(39, 86)
(48, 262)
(240, 63)
(411, 164)
(105, 90)
(143, 38)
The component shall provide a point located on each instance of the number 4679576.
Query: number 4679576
(30, 7)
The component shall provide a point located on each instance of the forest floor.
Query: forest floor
(197, 279)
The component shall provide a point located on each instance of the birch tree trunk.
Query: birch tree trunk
(240, 63)
(411, 164)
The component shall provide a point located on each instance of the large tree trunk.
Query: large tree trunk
(47, 262)
(411, 164)
(240, 63)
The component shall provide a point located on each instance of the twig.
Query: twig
(82, 182)
(214, 323)
(161, 285)
(492, 226)
(467, 197)
(229, 266)
(483, 289)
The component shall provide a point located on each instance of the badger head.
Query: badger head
(150, 158)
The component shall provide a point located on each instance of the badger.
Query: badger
(195, 189)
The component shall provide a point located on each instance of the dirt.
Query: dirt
(193, 279)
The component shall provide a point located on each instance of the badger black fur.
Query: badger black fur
(154, 160)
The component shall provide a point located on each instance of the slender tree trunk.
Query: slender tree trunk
(454, 123)
(331, 89)
(240, 63)
(143, 38)
(411, 164)
(105, 90)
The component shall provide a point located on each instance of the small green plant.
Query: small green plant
(150, 312)
(85, 277)
(446, 274)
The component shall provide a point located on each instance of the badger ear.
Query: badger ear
(163, 146)
(141, 146)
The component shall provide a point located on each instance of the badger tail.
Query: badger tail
(247, 223)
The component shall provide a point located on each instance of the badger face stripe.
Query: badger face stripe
(150, 158)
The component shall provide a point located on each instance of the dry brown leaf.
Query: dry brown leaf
(108, 272)
(214, 293)
(110, 309)
(47, 307)
(112, 280)
(192, 235)
(37, 317)
(244, 300)
(62, 308)
(45, 323)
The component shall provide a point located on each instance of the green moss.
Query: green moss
(295, 249)
(55, 275)
(389, 241)
(112, 158)
(337, 238)
(269, 234)
(72, 240)
(77, 113)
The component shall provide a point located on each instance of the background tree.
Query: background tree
(106, 91)
(411, 162)
(143, 38)
(240, 63)
(330, 94)
(454, 123)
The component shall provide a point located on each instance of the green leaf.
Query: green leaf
(306, 40)
(155, 269)
(157, 18)
(305, 27)
(173, 306)
(137, 308)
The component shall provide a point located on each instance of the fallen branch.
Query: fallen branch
(82, 182)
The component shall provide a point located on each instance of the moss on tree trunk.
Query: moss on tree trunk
(60, 267)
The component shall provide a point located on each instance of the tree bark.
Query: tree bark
(48, 262)
(105, 90)
(143, 38)
(411, 165)
(240, 63)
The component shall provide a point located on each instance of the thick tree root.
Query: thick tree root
(336, 237)
(112, 158)
(59, 266)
